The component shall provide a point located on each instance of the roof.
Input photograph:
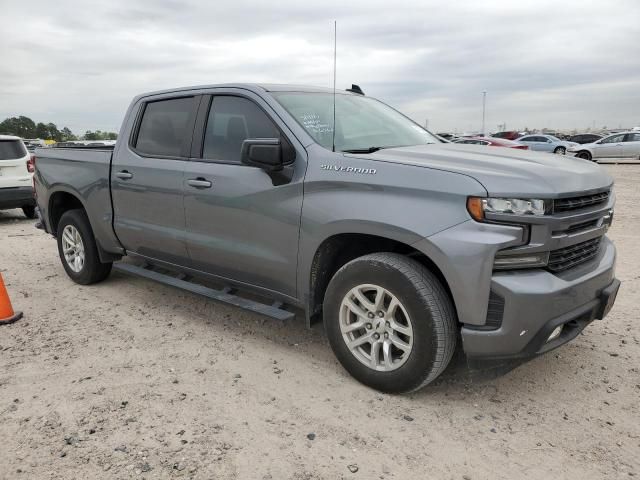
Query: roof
(254, 87)
(9, 137)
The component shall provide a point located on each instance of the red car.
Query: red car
(492, 142)
(509, 135)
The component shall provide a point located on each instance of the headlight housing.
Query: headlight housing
(478, 206)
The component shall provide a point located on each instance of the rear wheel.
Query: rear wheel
(78, 250)
(29, 211)
(584, 154)
(560, 150)
(390, 322)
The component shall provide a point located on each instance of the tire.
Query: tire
(91, 270)
(425, 310)
(584, 154)
(29, 211)
(560, 151)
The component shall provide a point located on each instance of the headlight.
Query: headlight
(478, 206)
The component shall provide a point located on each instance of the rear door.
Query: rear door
(147, 179)
(535, 142)
(631, 145)
(609, 147)
(242, 223)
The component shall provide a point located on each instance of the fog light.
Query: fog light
(556, 333)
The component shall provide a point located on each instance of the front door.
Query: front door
(241, 224)
(631, 145)
(609, 147)
(147, 181)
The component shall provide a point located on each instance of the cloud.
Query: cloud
(542, 63)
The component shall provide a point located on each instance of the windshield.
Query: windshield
(555, 139)
(362, 123)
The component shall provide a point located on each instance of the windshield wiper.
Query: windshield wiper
(363, 150)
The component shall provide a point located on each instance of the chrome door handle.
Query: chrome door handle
(124, 175)
(199, 183)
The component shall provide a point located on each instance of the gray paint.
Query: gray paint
(250, 232)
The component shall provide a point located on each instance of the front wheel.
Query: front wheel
(584, 155)
(78, 250)
(560, 150)
(390, 322)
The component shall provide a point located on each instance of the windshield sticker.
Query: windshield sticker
(312, 122)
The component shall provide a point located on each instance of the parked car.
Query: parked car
(493, 142)
(546, 143)
(16, 165)
(447, 136)
(509, 135)
(398, 242)
(618, 145)
(583, 138)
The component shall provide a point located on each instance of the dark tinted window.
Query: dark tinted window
(164, 127)
(231, 121)
(11, 149)
(632, 137)
(528, 139)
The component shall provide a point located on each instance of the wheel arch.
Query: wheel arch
(340, 248)
(62, 200)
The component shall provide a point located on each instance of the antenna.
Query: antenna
(335, 37)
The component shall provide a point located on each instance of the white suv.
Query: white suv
(16, 170)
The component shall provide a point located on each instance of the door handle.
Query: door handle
(199, 182)
(124, 175)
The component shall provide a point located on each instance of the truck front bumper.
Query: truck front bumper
(16, 197)
(537, 302)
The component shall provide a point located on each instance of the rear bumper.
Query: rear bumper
(537, 301)
(16, 197)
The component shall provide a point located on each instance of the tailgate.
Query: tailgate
(14, 173)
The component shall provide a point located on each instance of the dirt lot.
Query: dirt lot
(130, 379)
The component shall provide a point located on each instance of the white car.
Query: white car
(617, 145)
(16, 170)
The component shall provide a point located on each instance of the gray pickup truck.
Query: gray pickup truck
(404, 246)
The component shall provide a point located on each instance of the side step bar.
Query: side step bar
(224, 296)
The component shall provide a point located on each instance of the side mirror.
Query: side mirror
(265, 153)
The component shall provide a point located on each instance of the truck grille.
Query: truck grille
(575, 203)
(564, 258)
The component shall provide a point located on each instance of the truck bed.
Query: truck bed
(84, 172)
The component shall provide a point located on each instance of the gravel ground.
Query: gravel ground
(131, 379)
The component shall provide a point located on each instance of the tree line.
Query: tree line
(26, 128)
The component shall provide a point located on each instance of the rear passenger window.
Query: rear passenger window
(231, 121)
(163, 127)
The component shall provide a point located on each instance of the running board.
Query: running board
(225, 296)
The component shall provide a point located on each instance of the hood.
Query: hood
(505, 171)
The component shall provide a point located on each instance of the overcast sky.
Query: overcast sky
(556, 64)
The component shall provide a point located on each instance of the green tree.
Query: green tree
(67, 135)
(100, 135)
(21, 126)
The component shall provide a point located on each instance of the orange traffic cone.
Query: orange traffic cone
(7, 315)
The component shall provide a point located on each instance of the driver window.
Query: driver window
(231, 121)
(614, 139)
